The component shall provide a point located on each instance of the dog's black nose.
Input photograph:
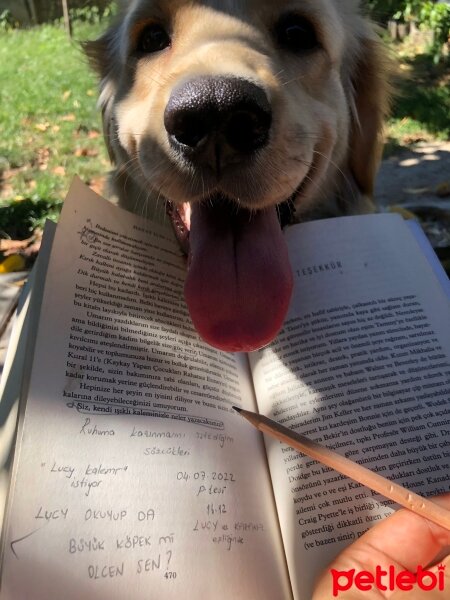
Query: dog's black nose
(211, 116)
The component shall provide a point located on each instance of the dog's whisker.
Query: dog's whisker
(125, 165)
(164, 196)
(148, 77)
(155, 208)
(164, 81)
(302, 161)
(306, 178)
(130, 174)
(270, 173)
(280, 72)
(293, 80)
(141, 207)
(286, 193)
(347, 181)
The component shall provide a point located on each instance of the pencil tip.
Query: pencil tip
(239, 410)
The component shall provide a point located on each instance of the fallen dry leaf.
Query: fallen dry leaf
(12, 263)
(19, 283)
(11, 246)
(97, 184)
(6, 191)
(402, 211)
(42, 126)
(26, 247)
(409, 140)
(69, 117)
(443, 189)
(43, 156)
(61, 171)
(86, 152)
(80, 129)
(66, 95)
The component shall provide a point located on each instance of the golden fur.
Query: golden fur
(328, 106)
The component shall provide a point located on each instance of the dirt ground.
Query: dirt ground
(416, 177)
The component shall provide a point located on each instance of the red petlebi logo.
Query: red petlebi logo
(391, 580)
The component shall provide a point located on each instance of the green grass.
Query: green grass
(421, 108)
(48, 117)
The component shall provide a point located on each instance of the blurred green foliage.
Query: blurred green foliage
(430, 14)
(19, 219)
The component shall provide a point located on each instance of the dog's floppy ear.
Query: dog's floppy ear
(103, 58)
(370, 105)
(101, 52)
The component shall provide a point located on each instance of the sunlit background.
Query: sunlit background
(50, 127)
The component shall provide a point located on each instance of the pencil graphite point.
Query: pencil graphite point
(237, 409)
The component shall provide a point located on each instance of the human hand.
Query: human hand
(403, 541)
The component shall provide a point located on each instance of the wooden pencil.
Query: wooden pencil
(418, 504)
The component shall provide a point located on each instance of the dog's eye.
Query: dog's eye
(296, 33)
(153, 38)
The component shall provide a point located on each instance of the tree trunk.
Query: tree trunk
(32, 11)
(67, 22)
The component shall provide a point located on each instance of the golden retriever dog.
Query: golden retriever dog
(242, 116)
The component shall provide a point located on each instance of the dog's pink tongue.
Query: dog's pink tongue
(239, 282)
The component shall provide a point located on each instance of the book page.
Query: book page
(362, 365)
(18, 358)
(131, 480)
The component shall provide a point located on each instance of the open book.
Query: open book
(133, 477)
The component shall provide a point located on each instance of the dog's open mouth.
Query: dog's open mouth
(239, 281)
